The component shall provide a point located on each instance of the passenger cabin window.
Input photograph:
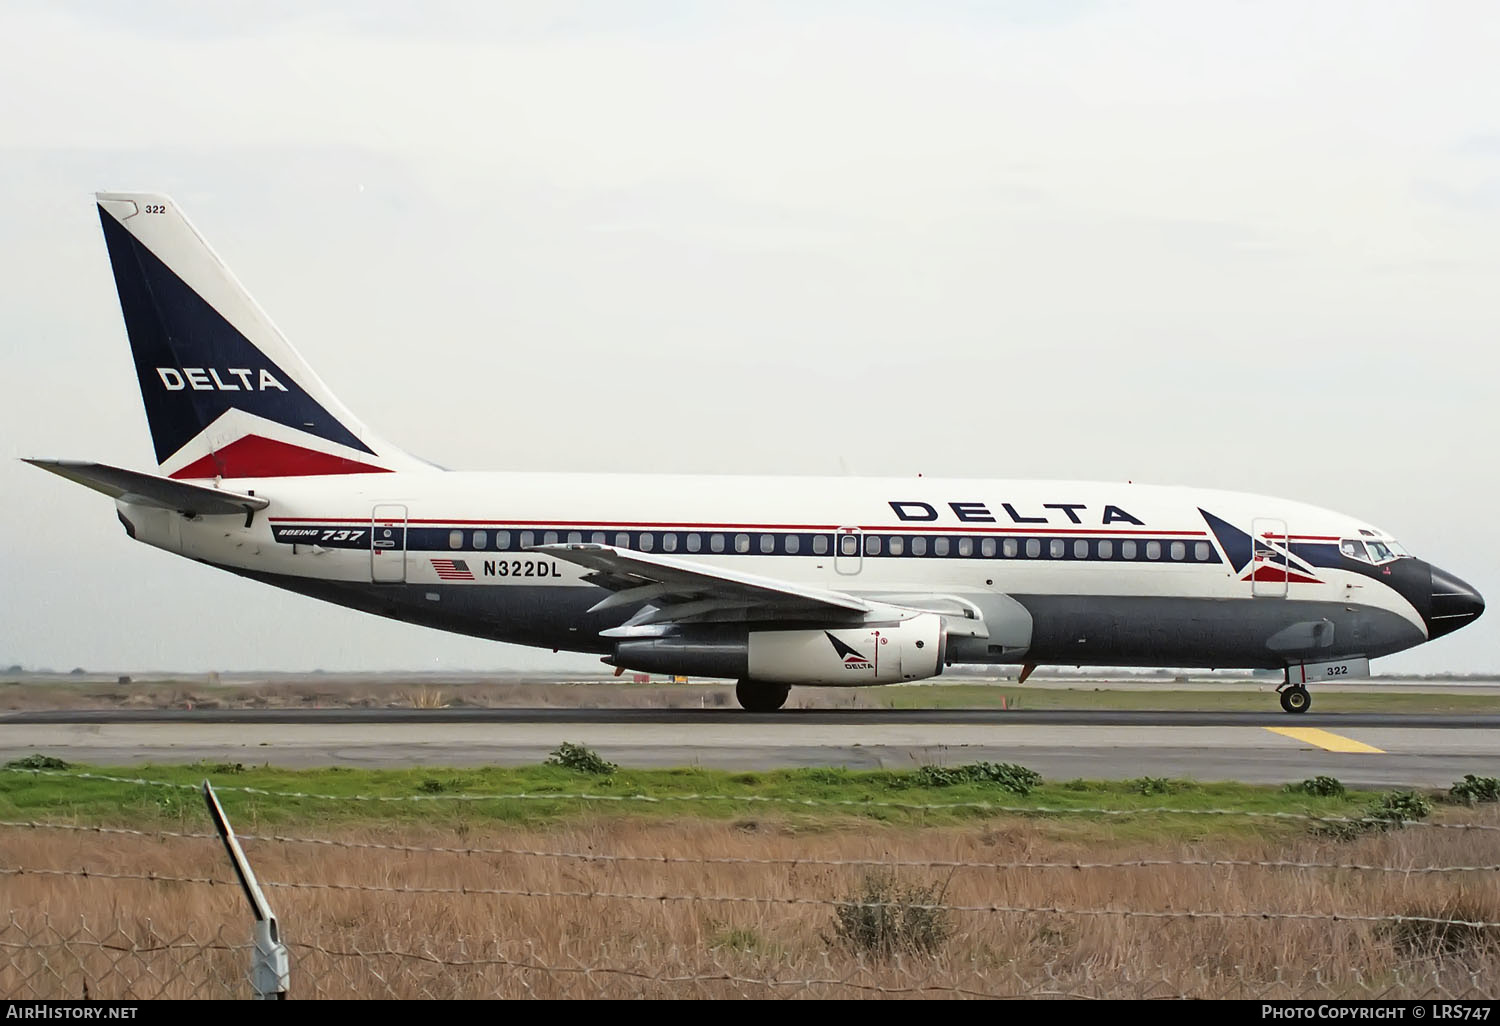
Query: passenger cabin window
(597, 537)
(1009, 548)
(669, 542)
(502, 539)
(742, 543)
(919, 546)
(527, 538)
(1153, 550)
(872, 544)
(1033, 547)
(575, 537)
(1127, 550)
(1106, 549)
(1201, 552)
(622, 540)
(648, 542)
(987, 547)
(768, 543)
(455, 539)
(550, 538)
(966, 546)
(1179, 550)
(716, 543)
(820, 545)
(1056, 548)
(898, 544)
(1080, 549)
(481, 539)
(848, 545)
(940, 546)
(793, 543)
(694, 543)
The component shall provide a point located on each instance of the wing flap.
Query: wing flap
(150, 490)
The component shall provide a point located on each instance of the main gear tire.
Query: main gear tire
(755, 696)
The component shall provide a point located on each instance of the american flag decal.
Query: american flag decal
(452, 570)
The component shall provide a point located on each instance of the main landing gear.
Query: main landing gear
(758, 697)
(1294, 698)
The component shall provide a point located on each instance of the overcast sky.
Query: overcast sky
(1248, 246)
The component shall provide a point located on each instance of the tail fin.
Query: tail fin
(225, 394)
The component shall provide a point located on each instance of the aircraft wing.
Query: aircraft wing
(150, 490)
(681, 589)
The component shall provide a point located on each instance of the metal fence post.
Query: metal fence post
(269, 968)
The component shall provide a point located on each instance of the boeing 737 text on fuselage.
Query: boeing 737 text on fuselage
(771, 582)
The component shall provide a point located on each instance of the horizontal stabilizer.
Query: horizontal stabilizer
(150, 490)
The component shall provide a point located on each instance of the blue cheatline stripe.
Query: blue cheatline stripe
(813, 544)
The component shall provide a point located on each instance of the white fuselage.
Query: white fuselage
(1106, 555)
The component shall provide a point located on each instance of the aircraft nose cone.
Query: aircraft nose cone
(1455, 604)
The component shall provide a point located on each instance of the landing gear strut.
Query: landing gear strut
(1294, 698)
(758, 697)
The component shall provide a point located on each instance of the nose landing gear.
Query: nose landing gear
(1294, 698)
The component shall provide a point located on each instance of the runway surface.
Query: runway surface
(1361, 749)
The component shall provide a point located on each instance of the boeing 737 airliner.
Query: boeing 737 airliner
(770, 582)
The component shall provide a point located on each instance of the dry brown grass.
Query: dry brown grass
(423, 698)
(368, 944)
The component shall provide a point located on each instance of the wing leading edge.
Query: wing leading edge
(681, 589)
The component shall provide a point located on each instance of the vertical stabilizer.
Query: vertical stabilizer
(226, 395)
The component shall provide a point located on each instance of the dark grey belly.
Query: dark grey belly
(1229, 633)
(1066, 630)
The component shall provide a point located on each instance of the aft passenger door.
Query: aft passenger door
(388, 544)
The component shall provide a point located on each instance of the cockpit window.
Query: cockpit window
(1372, 549)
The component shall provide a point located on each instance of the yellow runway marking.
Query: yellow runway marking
(1324, 739)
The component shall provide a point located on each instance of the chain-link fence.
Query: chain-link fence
(628, 908)
(110, 958)
(115, 960)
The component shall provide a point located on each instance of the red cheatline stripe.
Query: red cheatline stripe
(614, 524)
(972, 529)
(565, 523)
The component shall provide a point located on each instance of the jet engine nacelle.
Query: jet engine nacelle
(909, 649)
(906, 650)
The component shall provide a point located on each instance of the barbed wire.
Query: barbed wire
(768, 800)
(774, 900)
(790, 862)
(133, 948)
(94, 874)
